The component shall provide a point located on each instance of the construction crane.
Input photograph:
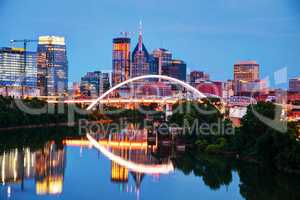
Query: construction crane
(127, 34)
(24, 41)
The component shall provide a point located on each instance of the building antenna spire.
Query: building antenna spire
(141, 36)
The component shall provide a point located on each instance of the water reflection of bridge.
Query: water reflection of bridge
(129, 156)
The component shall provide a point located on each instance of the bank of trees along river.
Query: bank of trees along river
(254, 140)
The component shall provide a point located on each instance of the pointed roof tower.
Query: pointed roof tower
(140, 44)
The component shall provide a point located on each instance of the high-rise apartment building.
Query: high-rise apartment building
(52, 66)
(120, 60)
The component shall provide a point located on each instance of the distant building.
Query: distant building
(52, 66)
(228, 89)
(250, 88)
(175, 69)
(93, 84)
(246, 76)
(120, 60)
(75, 91)
(211, 87)
(294, 85)
(159, 89)
(198, 76)
(246, 71)
(16, 79)
(164, 58)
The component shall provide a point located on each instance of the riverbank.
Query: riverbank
(62, 124)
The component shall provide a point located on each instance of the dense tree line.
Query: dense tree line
(11, 115)
(254, 140)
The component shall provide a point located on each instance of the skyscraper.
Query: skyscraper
(52, 66)
(246, 75)
(175, 69)
(120, 60)
(93, 84)
(246, 71)
(140, 58)
(164, 58)
(16, 77)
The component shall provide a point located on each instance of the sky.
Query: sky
(209, 35)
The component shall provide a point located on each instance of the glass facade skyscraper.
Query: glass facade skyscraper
(52, 66)
(175, 69)
(13, 71)
(93, 84)
(121, 60)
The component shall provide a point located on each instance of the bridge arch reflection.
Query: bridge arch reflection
(140, 168)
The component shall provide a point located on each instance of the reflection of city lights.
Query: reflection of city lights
(147, 169)
(3, 169)
(51, 185)
(9, 192)
(15, 164)
(112, 144)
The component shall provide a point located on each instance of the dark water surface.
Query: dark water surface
(49, 164)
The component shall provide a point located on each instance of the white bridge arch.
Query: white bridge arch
(185, 85)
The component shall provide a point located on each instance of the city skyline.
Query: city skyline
(270, 37)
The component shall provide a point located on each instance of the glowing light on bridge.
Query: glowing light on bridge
(147, 169)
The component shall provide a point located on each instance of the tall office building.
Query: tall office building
(294, 85)
(163, 56)
(175, 69)
(246, 71)
(16, 77)
(246, 78)
(52, 66)
(93, 84)
(120, 60)
(140, 58)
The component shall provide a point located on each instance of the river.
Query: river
(56, 164)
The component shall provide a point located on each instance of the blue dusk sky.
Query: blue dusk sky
(209, 35)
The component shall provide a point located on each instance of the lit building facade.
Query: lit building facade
(140, 59)
(211, 87)
(121, 60)
(163, 56)
(294, 85)
(198, 76)
(93, 84)
(15, 77)
(175, 69)
(245, 73)
(52, 66)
